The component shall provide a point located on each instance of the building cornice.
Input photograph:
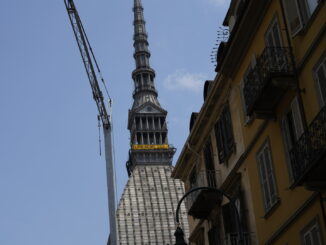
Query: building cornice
(198, 134)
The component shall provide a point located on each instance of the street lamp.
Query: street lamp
(179, 235)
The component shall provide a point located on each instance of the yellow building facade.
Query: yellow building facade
(260, 135)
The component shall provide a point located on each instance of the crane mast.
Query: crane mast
(88, 58)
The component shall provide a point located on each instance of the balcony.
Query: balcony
(234, 238)
(266, 83)
(200, 203)
(309, 154)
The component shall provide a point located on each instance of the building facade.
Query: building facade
(145, 214)
(260, 135)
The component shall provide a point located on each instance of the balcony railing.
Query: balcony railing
(268, 80)
(234, 239)
(308, 153)
(200, 203)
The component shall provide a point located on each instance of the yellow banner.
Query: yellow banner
(150, 147)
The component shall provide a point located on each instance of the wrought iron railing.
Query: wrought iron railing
(203, 178)
(310, 147)
(234, 238)
(274, 61)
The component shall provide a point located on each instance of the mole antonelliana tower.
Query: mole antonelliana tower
(145, 214)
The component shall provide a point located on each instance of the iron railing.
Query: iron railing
(310, 147)
(274, 61)
(203, 178)
(234, 238)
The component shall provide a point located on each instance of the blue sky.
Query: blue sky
(52, 179)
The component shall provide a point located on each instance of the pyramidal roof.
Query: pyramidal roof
(147, 207)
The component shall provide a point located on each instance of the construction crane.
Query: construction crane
(89, 60)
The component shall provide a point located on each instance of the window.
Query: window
(267, 178)
(193, 179)
(292, 128)
(213, 236)
(199, 239)
(308, 7)
(272, 36)
(298, 13)
(320, 78)
(311, 235)
(247, 118)
(224, 135)
(209, 164)
(229, 219)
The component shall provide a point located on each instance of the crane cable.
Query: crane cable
(99, 134)
(96, 64)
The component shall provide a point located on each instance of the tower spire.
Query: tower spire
(144, 208)
(140, 37)
(147, 119)
(143, 75)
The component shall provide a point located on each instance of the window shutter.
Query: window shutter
(267, 178)
(270, 175)
(312, 234)
(247, 118)
(213, 236)
(229, 218)
(264, 182)
(210, 170)
(288, 144)
(219, 141)
(272, 36)
(307, 239)
(286, 133)
(293, 16)
(229, 130)
(320, 75)
(297, 118)
(276, 34)
(243, 100)
(224, 135)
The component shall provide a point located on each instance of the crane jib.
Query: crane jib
(85, 50)
(87, 57)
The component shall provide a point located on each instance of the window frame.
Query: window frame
(222, 135)
(305, 10)
(247, 118)
(314, 223)
(267, 207)
(321, 63)
(286, 132)
(298, 14)
(270, 30)
(213, 235)
(303, 14)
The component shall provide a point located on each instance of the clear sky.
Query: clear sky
(52, 179)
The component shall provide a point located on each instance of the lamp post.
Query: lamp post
(179, 235)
